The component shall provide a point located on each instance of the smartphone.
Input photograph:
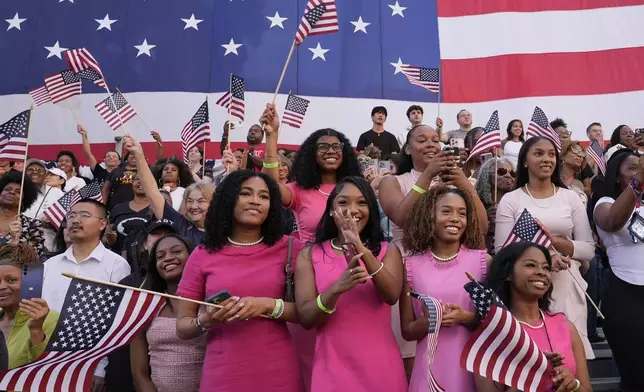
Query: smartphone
(219, 297)
(349, 251)
(486, 157)
(384, 166)
(457, 142)
(639, 130)
(454, 150)
(32, 277)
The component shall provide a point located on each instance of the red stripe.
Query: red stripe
(542, 75)
(496, 356)
(519, 368)
(449, 8)
(488, 341)
(503, 372)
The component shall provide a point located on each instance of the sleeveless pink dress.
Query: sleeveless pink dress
(554, 337)
(355, 349)
(444, 281)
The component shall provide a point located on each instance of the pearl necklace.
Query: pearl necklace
(444, 259)
(259, 241)
(334, 246)
(554, 191)
(534, 326)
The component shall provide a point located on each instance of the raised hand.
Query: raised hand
(441, 162)
(81, 131)
(354, 275)
(156, 136)
(37, 310)
(270, 119)
(347, 227)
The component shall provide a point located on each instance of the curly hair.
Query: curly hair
(19, 254)
(185, 175)
(502, 267)
(371, 235)
(71, 156)
(220, 216)
(306, 172)
(484, 180)
(29, 191)
(153, 280)
(419, 233)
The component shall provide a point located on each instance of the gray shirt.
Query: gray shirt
(456, 134)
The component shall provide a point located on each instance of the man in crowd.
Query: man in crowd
(254, 155)
(87, 257)
(377, 136)
(464, 120)
(595, 133)
(415, 115)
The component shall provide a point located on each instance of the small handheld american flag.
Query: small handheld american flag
(295, 110)
(56, 213)
(96, 320)
(596, 153)
(196, 131)
(233, 99)
(539, 126)
(499, 349)
(89, 191)
(63, 85)
(117, 116)
(40, 95)
(527, 229)
(435, 318)
(427, 78)
(13, 137)
(490, 139)
(80, 59)
(93, 76)
(320, 17)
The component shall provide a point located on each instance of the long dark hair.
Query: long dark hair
(371, 235)
(611, 186)
(616, 137)
(306, 172)
(153, 280)
(185, 177)
(510, 136)
(522, 170)
(405, 163)
(220, 216)
(502, 267)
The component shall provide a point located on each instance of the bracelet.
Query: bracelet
(322, 307)
(378, 270)
(576, 388)
(201, 327)
(271, 165)
(278, 310)
(418, 189)
(282, 308)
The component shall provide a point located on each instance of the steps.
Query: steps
(604, 376)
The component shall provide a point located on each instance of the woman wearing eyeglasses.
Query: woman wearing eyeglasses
(573, 159)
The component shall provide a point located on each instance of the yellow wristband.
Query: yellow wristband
(322, 307)
(273, 165)
(418, 189)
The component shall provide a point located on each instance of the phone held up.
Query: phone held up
(349, 251)
(32, 278)
(219, 297)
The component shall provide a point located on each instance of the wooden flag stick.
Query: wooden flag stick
(230, 116)
(279, 82)
(24, 170)
(122, 286)
(73, 115)
(496, 176)
(470, 276)
(118, 114)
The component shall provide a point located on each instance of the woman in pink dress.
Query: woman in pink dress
(521, 275)
(445, 240)
(348, 298)
(244, 253)
(324, 158)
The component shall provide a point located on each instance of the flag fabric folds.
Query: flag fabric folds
(40, 95)
(233, 99)
(63, 85)
(540, 126)
(56, 213)
(89, 191)
(115, 116)
(499, 349)
(596, 153)
(96, 320)
(427, 78)
(80, 59)
(93, 76)
(435, 318)
(527, 229)
(196, 131)
(295, 111)
(320, 17)
(490, 139)
(13, 137)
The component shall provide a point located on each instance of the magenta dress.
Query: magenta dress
(444, 281)
(355, 349)
(244, 356)
(554, 336)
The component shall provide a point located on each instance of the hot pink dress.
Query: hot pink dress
(244, 356)
(444, 281)
(554, 337)
(355, 349)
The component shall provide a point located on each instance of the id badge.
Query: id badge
(636, 227)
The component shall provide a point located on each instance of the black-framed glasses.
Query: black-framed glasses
(324, 147)
(32, 170)
(82, 216)
(503, 171)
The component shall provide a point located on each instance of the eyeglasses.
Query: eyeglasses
(324, 147)
(82, 216)
(578, 151)
(503, 171)
(33, 170)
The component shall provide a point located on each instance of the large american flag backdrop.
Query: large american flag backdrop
(578, 59)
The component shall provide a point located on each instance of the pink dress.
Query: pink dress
(444, 281)
(253, 355)
(355, 349)
(175, 364)
(555, 337)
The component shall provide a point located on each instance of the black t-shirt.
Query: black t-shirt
(100, 173)
(587, 172)
(385, 141)
(127, 221)
(120, 186)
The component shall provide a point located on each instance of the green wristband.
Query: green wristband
(273, 165)
(322, 307)
(418, 189)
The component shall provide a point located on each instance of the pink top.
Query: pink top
(308, 206)
(557, 334)
(355, 349)
(444, 281)
(253, 355)
(175, 364)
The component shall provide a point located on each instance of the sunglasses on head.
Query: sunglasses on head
(503, 171)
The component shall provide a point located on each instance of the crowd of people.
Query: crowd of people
(311, 255)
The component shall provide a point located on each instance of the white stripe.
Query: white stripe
(543, 32)
(476, 347)
(517, 358)
(508, 349)
(500, 337)
(528, 366)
